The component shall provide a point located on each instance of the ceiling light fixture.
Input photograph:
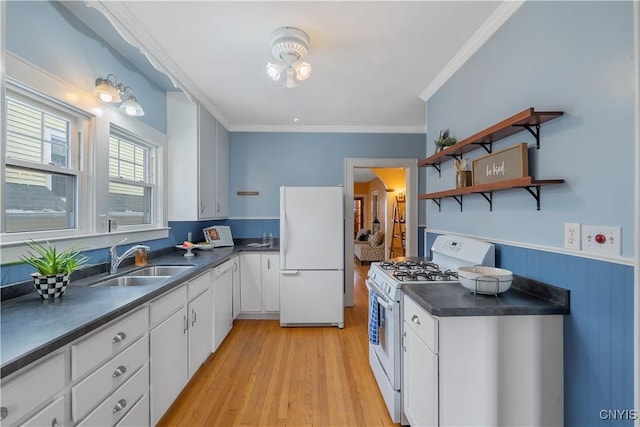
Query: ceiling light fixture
(289, 45)
(109, 90)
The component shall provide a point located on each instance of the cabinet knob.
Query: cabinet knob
(3, 413)
(120, 405)
(119, 371)
(54, 423)
(119, 337)
(415, 319)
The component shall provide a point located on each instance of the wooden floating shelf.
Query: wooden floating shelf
(528, 119)
(486, 190)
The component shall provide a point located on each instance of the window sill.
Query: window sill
(11, 250)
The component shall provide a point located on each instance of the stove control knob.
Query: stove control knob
(600, 238)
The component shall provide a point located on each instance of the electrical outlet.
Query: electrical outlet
(602, 239)
(572, 235)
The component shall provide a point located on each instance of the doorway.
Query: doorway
(411, 217)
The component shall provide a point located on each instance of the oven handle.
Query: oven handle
(381, 300)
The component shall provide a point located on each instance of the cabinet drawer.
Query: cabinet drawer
(90, 352)
(199, 285)
(52, 415)
(138, 415)
(111, 375)
(121, 401)
(425, 325)
(168, 304)
(31, 388)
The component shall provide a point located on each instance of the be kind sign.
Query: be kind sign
(502, 165)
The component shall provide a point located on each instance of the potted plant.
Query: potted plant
(53, 267)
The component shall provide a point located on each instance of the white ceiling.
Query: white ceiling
(372, 61)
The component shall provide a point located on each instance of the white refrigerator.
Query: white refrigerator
(311, 256)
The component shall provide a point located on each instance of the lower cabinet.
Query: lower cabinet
(222, 291)
(180, 340)
(259, 283)
(482, 370)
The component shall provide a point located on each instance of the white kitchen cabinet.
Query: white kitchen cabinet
(52, 415)
(180, 340)
(236, 286)
(169, 363)
(196, 140)
(487, 370)
(259, 283)
(420, 367)
(200, 330)
(222, 286)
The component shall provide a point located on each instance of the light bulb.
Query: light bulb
(105, 97)
(303, 71)
(273, 71)
(131, 111)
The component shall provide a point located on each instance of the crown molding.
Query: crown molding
(490, 26)
(132, 32)
(329, 129)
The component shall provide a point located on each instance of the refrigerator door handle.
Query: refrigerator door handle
(289, 272)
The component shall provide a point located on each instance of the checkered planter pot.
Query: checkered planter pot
(50, 286)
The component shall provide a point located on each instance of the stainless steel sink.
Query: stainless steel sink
(160, 270)
(130, 281)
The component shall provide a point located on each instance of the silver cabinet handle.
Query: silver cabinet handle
(185, 324)
(119, 371)
(119, 337)
(3, 413)
(415, 319)
(201, 207)
(120, 405)
(268, 263)
(54, 423)
(193, 315)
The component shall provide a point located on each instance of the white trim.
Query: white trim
(411, 168)
(490, 26)
(329, 129)
(614, 260)
(249, 218)
(12, 250)
(636, 204)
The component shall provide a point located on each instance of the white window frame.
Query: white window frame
(92, 230)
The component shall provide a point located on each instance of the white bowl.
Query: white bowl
(485, 280)
(204, 246)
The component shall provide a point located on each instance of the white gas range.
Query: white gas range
(385, 281)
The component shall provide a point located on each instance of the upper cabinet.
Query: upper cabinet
(197, 142)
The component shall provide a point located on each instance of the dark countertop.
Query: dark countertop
(524, 297)
(31, 327)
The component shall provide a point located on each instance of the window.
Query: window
(41, 172)
(130, 179)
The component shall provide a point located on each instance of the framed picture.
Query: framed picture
(510, 163)
(218, 235)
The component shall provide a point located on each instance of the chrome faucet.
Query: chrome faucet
(115, 260)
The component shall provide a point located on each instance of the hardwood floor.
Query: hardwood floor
(265, 375)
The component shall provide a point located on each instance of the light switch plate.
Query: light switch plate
(601, 239)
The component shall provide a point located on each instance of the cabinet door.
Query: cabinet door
(199, 331)
(222, 303)
(251, 284)
(236, 286)
(420, 381)
(52, 415)
(271, 282)
(222, 171)
(206, 164)
(168, 360)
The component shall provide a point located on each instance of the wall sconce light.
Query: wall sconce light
(109, 90)
(131, 107)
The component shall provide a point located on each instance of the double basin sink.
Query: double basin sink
(144, 276)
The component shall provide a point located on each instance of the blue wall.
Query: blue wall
(265, 161)
(49, 36)
(576, 57)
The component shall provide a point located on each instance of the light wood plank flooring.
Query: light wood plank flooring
(265, 375)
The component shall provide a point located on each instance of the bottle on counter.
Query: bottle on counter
(141, 258)
(265, 239)
(270, 239)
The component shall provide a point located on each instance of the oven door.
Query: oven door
(388, 350)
